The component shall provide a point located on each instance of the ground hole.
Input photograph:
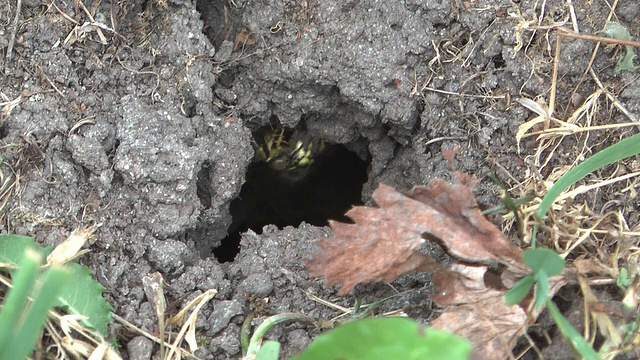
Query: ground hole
(204, 185)
(498, 61)
(324, 190)
(220, 20)
(4, 130)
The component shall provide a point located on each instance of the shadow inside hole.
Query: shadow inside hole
(4, 130)
(330, 187)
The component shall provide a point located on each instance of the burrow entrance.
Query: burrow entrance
(281, 193)
(275, 192)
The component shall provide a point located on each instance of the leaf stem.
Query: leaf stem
(261, 330)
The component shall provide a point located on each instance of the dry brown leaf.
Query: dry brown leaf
(382, 240)
(604, 322)
(477, 312)
(383, 245)
(377, 247)
(243, 38)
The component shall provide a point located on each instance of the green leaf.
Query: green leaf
(617, 31)
(630, 331)
(577, 341)
(519, 290)
(623, 279)
(84, 296)
(386, 338)
(12, 248)
(542, 288)
(543, 259)
(269, 351)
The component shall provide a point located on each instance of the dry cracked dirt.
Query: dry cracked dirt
(137, 116)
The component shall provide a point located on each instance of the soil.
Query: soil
(143, 126)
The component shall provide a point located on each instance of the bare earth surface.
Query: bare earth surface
(143, 126)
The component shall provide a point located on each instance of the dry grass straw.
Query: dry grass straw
(588, 118)
(171, 345)
(346, 313)
(582, 226)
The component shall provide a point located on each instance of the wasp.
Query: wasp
(290, 152)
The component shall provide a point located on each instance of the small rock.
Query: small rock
(169, 256)
(222, 314)
(140, 348)
(228, 341)
(298, 340)
(259, 284)
(88, 153)
(226, 95)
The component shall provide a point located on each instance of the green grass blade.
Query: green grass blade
(623, 149)
(579, 344)
(53, 280)
(261, 330)
(12, 311)
(519, 290)
(245, 332)
(542, 289)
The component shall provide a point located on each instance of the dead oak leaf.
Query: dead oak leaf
(383, 244)
(373, 249)
(450, 213)
(477, 312)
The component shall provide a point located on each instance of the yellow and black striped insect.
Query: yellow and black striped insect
(288, 151)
